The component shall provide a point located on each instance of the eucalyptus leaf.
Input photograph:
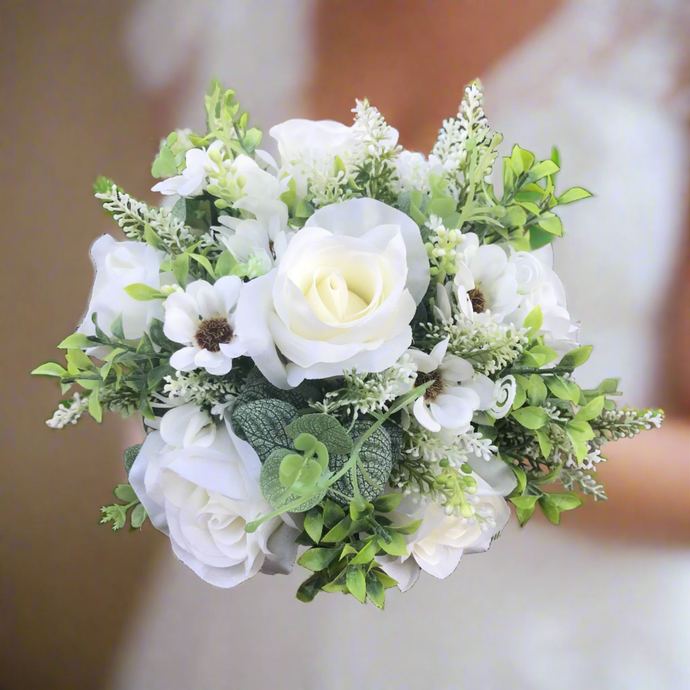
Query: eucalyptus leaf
(262, 423)
(273, 489)
(130, 456)
(326, 429)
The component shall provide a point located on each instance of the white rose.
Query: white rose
(119, 264)
(203, 497)
(305, 146)
(539, 285)
(441, 540)
(342, 296)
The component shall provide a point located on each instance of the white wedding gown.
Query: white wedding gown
(544, 608)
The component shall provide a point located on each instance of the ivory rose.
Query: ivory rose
(342, 297)
(202, 497)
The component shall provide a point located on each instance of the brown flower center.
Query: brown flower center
(435, 389)
(478, 300)
(213, 332)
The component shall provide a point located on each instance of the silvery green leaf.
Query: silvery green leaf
(125, 493)
(262, 423)
(326, 429)
(138, 516)
(376, 456)
(131, 455)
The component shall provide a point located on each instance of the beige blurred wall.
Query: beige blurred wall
(69, 112)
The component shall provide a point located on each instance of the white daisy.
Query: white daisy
(446, 404)
(203, 319)
(485, 279)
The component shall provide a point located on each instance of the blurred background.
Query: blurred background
(90, 88)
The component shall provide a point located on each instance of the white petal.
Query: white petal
(488, 263)
(187, 425)
(213, 362)
(252, 315)
(423, 416)
(228, 288)
(406, 572)
(451, 412)
(456, 369)
(153, 446)
(179, 327)
(424, 362)
(439, 352)
(183, 360)
(485, 388)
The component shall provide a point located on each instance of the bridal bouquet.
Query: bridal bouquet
(354, 349)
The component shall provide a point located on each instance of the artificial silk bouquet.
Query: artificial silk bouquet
(356, 350)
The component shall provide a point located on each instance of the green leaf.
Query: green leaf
(560, 388)
(145, 345)
(131, 455)
(138, 516)
(542, 170)
(552, 225)
(521, 478)
(573, 194)
(50, 369)
(156, 375)
(576, 357)
(225, 264)
(397, 546)
(164, 165)
(520, 399)
(309, 589)
(318, 558)
(116, 327)
(545, 444)
(524, 502)
(95, 409)
(539, 238)
(273, 489)
(524, 514)
(313, 524)
(76, 340)
(180, 269)
(332, 514)
(531, 417)
(256, 387)
(536, 391)
(387, 503)
(386, 580)
(375, 591)
(145, 406)
(409, 528)
(326, 429)
(376, 458)
(550, 509)
(367, 553)
(152, 238)
(203, 261)
(340, 531)
(262, 423)
(125, 493)
(79, 359)
(566, 501)
(356, 583)
(591, 410)
(534, 321)
(158, 336)
(545, 354)
(142, 292)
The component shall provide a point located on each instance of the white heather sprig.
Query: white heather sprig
(199, 388)
(133, 216)
(68, 412)
(489, 345)
(588, 485)
(364, 393)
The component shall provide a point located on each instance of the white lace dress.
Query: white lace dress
(543, 608)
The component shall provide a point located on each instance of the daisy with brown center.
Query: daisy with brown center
(203, 319)
(446, 403)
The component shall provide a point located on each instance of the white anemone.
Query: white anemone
(203, 319)
(455, 391)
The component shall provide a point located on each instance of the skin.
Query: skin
(375, 48)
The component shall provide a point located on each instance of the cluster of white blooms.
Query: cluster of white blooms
(68, 412)
(198, 388)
